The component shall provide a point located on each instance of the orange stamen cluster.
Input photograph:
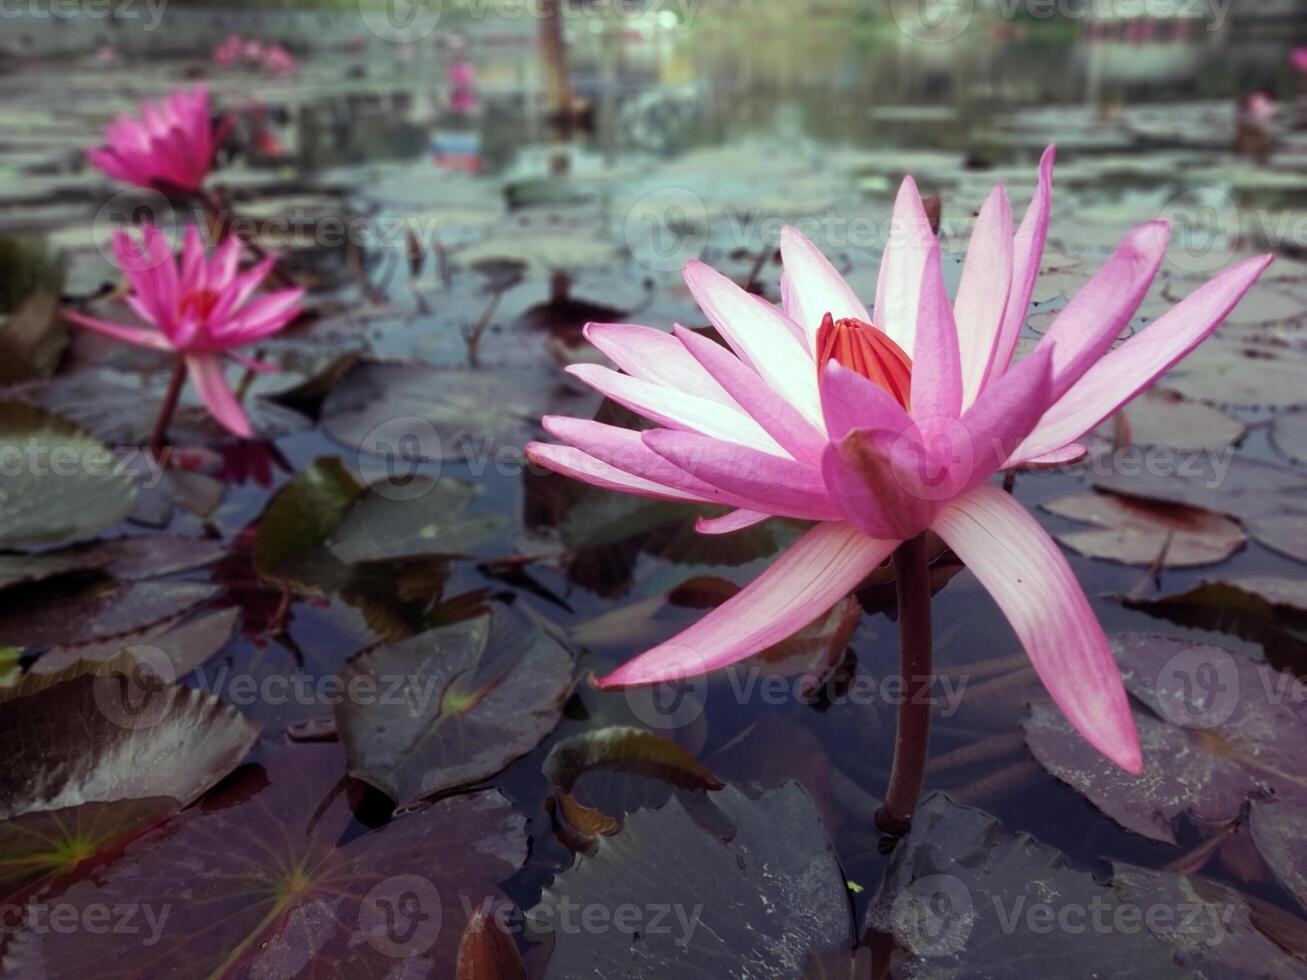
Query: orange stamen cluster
(862, 348)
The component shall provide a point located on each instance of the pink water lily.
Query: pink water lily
(171, 145)
(816, 411)
(201, 309)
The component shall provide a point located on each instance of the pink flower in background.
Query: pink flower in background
(199, 309)
(230, 51)
(816, 411)
(1298, 58)
(172, 144)
(1261, 108)
(279, 61)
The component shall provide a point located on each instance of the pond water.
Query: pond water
(467, 247)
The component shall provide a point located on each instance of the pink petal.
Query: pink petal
(241, 287)
(1030, 580)
(132, 335)
(676, 409)
(818, 570)
(736, 520)
(898, 294)
(762, 335)
(625, 450)
(579, 466)
(210, 380)
(1002, 417)
(226, 263)
(936, 363)
(652, 355)
(1027, 254)
(812, 288)
(774, 414)
(1141, 360)
(850, 401)
(1051, 461)
(265, 316)
(1101, 310)
(777, 486)
(884, 482)
(983, 292)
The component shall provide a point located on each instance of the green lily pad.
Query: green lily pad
(59, 484)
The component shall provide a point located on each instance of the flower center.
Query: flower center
(199, 304)
(862, 348)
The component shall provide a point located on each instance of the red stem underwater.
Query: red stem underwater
(912, 738)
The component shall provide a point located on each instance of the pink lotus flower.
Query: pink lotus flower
(1298, 58)
(816, 411)
(201, 310)
(279, 61)
(229, 51)
(172, 145)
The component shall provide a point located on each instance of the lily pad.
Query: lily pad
(1136, 532)
(965, 898)
(620, 748)
(1289, 436)
(1160, 417)
(1225, 373)
(60, 485)
(1279, 830)
(32, 339)
(186, 642)
(277, 879)
(1215, 729)
(101, 611)
(409, 413)
(427, 519)
(1269, 501)
(452, 706)
(755, 902)
(113, 731)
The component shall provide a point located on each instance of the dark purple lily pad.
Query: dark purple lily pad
(1215, 728)
(101, 611)
(186, 642)
(965, 898)
(112, 731)
(451, 706)
(1135, 532)
(271, 878)
(701, 903)
(1279, 829)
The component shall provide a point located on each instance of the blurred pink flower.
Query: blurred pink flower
(278, 60)
(229, 51)
(815, 411)
(1298, 58)
(199, 309)
(171, 145)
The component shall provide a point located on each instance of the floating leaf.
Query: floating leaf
(1269, 501)
(301, 517)
(453, 706)
(1137, 533)
(32, 339)
(1215, 729)
(113, 731)
(413, 412)
(755, 904)
(1160, 417)
(1289, 436)
(1279, 830)
(276, 878)
(185, 642)
(965, 898)
(1226, 373)
(621, 748)
(427, 520)
(65, 487)
(89, 614)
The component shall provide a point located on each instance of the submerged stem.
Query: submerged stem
(911, 740)
(168, 407)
